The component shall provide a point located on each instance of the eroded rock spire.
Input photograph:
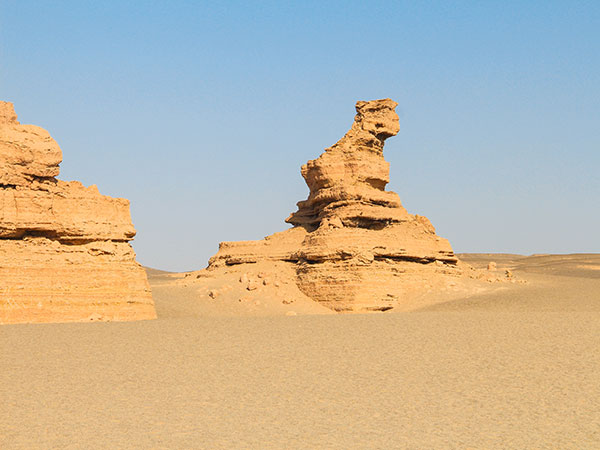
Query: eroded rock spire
(353, 246)
(347, 182)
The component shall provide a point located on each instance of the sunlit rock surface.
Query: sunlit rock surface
(64, 248)
(353, 246)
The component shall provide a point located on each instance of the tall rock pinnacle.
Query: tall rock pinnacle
(353, 246)
(347, 182)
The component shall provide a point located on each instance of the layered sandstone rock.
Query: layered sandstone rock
(64, 248)
(353, 245)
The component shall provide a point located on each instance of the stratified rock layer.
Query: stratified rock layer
(353, 245)
(64, 248)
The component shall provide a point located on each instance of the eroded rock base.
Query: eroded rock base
(43, 280)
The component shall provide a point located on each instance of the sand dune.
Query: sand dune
(513, 367)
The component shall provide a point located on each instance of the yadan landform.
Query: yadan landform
(353, 246)
(64, 248)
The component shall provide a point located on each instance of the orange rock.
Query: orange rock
(347, 182)
(27, 152)
(252, 285)
(353, 245)
(64, 248)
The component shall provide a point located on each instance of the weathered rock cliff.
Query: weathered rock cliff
(64, 248)
(353, 245)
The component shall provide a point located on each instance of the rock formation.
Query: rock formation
(64, 248)
(352, 245)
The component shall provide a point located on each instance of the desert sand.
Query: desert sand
(433, 350)
(515, 366)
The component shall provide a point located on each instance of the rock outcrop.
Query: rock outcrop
(64, 248)
(353, 245)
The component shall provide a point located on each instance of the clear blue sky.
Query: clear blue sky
(201, 113)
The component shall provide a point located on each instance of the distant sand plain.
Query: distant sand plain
(515, 367)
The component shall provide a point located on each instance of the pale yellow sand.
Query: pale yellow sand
(514, 368)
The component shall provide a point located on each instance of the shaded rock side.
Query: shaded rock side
(353, 245)
(64, 248)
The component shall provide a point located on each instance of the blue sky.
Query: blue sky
(201, 113)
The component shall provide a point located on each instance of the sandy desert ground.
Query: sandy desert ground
(513, 367)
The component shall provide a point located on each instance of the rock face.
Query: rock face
(353, 245)
(64, 248)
